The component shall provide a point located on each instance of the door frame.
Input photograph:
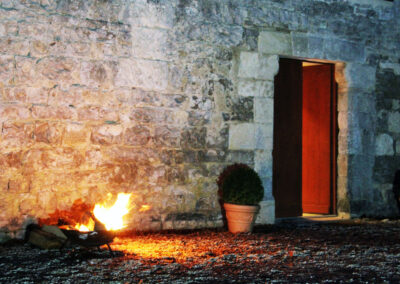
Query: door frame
(334, 131)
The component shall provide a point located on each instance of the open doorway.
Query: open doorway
(304, 155)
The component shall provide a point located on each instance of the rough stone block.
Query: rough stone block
(98, 74)
(263, 163)
(17, 134)
(53, 112)
(7, 68)
(97, 113)
(107, 134)
(355, 141)
(75, 134)
(255, 66)
(193, 137)
(242, 109)
(384, 145)
(360, 76)
(269, 66)
(242, 136)
(267, 89)
(361, 102)
(167, 136)
(48, 132)
(300, 44)
(249, 88)
(315, 44)
(37, 95)
(266, 214)
(272, 42)
(150, 43)
(51, 71)
(137, 136)
(395, 67)
(267, 184)
(14, 112)
(263, 110)
(264, 136)
(248, 65)
(337, 49)
(153, 15)
(394, 122)
(146, 74)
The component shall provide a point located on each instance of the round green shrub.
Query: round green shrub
(240, 184)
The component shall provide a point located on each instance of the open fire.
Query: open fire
(93, 227)
(111, 216)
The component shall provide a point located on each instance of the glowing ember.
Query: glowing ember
(112, 217)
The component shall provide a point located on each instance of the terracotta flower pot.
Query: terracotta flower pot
(240, 218)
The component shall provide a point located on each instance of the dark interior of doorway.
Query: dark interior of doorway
(304, 153)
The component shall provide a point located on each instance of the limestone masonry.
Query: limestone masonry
(156, 97)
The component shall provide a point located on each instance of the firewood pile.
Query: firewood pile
(357, 251)
(54, 237)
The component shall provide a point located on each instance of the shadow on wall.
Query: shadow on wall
(396, 188)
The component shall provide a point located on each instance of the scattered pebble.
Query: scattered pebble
(360, 251)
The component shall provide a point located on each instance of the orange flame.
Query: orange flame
(85, 228)
(112, 217)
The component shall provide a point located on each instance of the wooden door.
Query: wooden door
(287, 139)
(317, 139)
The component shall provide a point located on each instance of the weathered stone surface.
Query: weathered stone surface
(360, 76)
(6, 68)
(264, 110)
(263, 136)
(147, 74)
(242, 109)
(17, 134)
(255, 66)
(107, 134)
(384, 145)
(52, 112)
(76, 133)
(14, 112)
(150, 43)
(98, 74)
(336, 49)
(242, 136)
(137, 136)
(272, 42)
(394, 122)
(193, 138)
(266, 215)
(167, 137)
(48, 132)
(156, 97)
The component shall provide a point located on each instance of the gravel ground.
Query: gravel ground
(353, 251)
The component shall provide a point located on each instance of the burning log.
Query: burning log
(94, 229)
(52, 237)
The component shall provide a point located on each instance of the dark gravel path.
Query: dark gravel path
(354, 251)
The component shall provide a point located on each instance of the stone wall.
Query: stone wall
(155, 97)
